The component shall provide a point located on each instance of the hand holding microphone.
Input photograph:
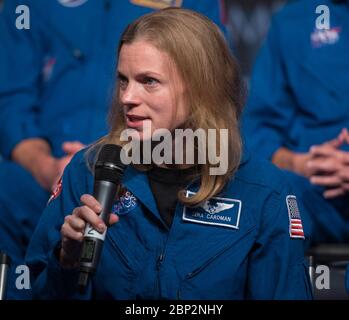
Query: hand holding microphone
(74, 226)
(83, 231)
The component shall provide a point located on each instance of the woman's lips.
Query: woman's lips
(134, 121)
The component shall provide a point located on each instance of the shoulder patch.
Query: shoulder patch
(157, 4)
(72, 3)
(125, 204)
(323, 37)
(57, 191)
(295, 221)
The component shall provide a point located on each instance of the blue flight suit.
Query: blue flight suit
(300, 97)
(244, 250)
(56, 83)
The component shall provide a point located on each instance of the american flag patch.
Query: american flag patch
(296, 228)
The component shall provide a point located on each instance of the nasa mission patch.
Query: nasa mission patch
(125, 204)
(72, 3)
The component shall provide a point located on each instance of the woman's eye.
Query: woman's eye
(122, 82)
(150, 81)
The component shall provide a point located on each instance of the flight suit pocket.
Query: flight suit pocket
(116, 270)
(221, 273)
(123, 243)
(121, 238)
(119, 253)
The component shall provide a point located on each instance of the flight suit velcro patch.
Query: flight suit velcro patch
(295, 221)
(217, 211)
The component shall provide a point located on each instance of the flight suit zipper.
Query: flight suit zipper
(158, 266)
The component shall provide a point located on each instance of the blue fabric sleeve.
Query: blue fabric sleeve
(49, 280)
(277, 268)
(271, 105)
(20, 64)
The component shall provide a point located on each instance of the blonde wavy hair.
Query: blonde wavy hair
(214, 91)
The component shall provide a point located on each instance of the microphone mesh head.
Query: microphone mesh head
(4, 258)
(109, 166)
(110, 153)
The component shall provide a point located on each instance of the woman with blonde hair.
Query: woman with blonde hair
(208, 228)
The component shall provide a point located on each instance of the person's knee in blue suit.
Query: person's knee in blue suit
(21, 203)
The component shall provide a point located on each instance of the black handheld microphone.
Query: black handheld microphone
(108, 173)
(5, 262)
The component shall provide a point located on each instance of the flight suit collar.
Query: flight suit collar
(138, 184)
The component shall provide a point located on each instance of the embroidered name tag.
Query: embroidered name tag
(126, 203)
(217, 211)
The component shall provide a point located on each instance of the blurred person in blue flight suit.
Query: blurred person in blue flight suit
(55, 86)
(298, 110)
(178, 231)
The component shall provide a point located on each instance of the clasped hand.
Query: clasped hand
(328, 166)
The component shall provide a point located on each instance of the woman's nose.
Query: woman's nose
(129, 96)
